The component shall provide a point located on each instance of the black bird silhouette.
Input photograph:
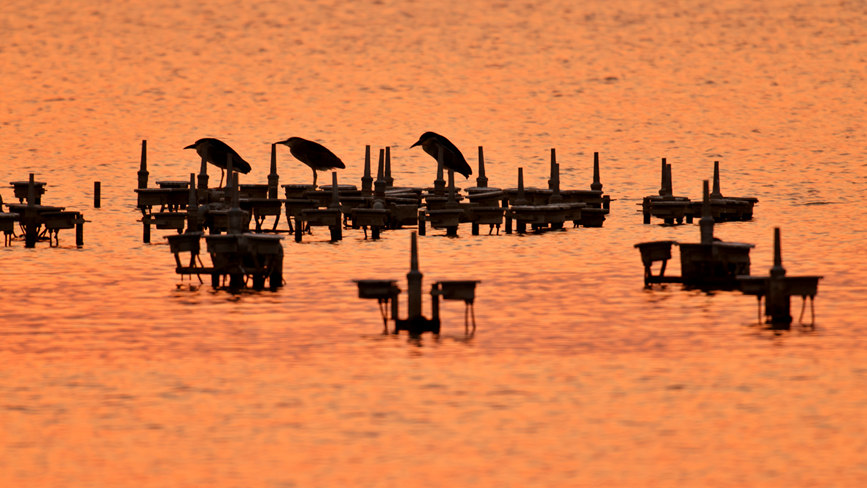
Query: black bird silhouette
(216, 151)
(313, 154)
(431, 142)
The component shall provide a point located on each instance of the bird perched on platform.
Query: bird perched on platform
(313, 154)
(431, 142)
(216, 152)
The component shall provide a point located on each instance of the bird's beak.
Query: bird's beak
(416, 144)
(191, 146)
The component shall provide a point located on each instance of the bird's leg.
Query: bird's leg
(314, 179)
(222, 173)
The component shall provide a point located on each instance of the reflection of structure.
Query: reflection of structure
(778, 289)
(672, 208)
(37, 221)
(386, 292)
(709, 264)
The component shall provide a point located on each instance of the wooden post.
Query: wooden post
(716, 191)
(706, 222)
(597, 183)
(30, 215)
(380, 184)
(439, 183)
(146, 230)
(337, 228)
(520, 199)
(143, 168)
(552, 169)
(481, 180)
(662, 188)
(79, 230)
(414, 281)
(778, 300)
(421, 222)
(669, 188)
(435, 303)
(389, 181)
(366, 180)
(273, 177)
(508, 215)
(97, 190)
(203, 180)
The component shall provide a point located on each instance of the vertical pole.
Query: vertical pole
(414, 280)
(435, 303)
(481, 180)
(597, 183)
(79, 230)
(389, 181)
(421, 222)
(663, 191)
(273, 177)
(337, 228)
(777, 301)
(143, 168)
(669, 188)
(379, 185)
(439, 183)
(552, 170)
(508, 215)
(520, 199)
(716, 192)
(706, 222)
(203, 180)
(30, 229)
(366, 180)
(146, 228)
(97, 191)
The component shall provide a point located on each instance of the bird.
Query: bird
(313, 154)
(216, 152)
(431, 142)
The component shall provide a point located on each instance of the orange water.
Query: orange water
(577, 376)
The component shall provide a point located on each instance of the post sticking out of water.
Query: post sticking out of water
(143, 168)
(716, 192)
(520, 199)
(29, 220)
(379, 185)
(706, 222)
(366, 180)
(273, 177)
(389, 181)
(481, 180)
(554, 182)
(203, 178)
(663, 190)
(97, 194)
(335, 193)
(552, 169)
(597, 183)
(439, 183)
(778, 300)
(414, 279)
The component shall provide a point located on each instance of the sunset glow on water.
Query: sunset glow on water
(113, 375)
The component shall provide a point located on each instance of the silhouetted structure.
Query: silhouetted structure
(386, 292)
(778, 289)
(452, 158)
(216, 152)
(710, 264)
(38, 221)
(313, 154)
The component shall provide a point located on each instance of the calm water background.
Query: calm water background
(113, 376)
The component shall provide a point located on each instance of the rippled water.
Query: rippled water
(114, 376)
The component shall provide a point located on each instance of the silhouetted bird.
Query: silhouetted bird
(313, 154)
(216, 151)
(431, 142)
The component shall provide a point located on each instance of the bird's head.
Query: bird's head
(427, 136)
(196, 145)
(289, 142)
